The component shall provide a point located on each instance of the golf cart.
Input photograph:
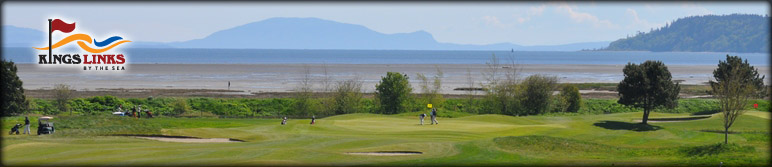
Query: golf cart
(45, 126)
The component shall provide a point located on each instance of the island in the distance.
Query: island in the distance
(740, 33)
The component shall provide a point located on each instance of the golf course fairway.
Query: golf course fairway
(604, 140)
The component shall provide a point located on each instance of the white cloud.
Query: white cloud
(536, 10)
(581, 17)
(532, 11)
(638, 23)
(695, 9)
(492, 20)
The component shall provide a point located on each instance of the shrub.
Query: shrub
(571, 98)
(537, 93)
(180, 106)
(347, 97)
(62, 94)
(393, 93)
(430, 90)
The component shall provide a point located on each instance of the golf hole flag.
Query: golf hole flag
(429, 105)
(60, 25)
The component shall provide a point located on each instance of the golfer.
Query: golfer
(423, 115)
(313, 120)
(120, 108)
(284, 121)
(26, 126)
(134, 112)
(434, 116)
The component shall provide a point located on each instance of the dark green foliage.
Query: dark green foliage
(749, 75)
(107, 100)
(63, 94)
(348, 97)
(304, 105)
(502, 98)
(736, 82)
(709, 33)
(605, 106)
(537, 94)
(573, 100)
(180, 106)
(393, 93)
(430, 90)
(763, 105)
(13, 99)
(648, 86)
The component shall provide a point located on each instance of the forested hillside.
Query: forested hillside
(710, 33)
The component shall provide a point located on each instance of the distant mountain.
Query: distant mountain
(314, 33)
(710, 33)
(22, 37)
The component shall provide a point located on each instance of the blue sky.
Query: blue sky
(524, 23)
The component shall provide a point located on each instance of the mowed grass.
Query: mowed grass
(465, 140)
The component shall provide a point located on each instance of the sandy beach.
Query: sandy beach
(255, 78)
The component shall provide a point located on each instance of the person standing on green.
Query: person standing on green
(26, 126)
(422, 116)
(434, 116)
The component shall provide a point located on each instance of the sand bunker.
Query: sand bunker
(386, 153)
(184, 139)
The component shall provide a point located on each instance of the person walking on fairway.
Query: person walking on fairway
(313, 119)
(26, 126)
(422, 116)
(434, 116)
(284, 121)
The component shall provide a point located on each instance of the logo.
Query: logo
(95, 60)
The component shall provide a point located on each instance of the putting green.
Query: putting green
(470, 140)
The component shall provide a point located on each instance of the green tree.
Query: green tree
(648, 86)
(304, 104)
(180, 106)
(431, 90)
(393, 93)
(63, 94)
(537, 93)
(13, 99)
(348, 96)
(573, 100)
(736, 82)
(501, 88)
(749, 73)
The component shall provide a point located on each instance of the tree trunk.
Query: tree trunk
(645, 116)
(726, 135)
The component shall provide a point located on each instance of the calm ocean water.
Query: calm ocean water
(261, 56)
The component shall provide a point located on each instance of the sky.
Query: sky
(523, 23)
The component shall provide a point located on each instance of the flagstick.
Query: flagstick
(49, 42)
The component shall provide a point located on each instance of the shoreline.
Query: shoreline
(283, 77)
